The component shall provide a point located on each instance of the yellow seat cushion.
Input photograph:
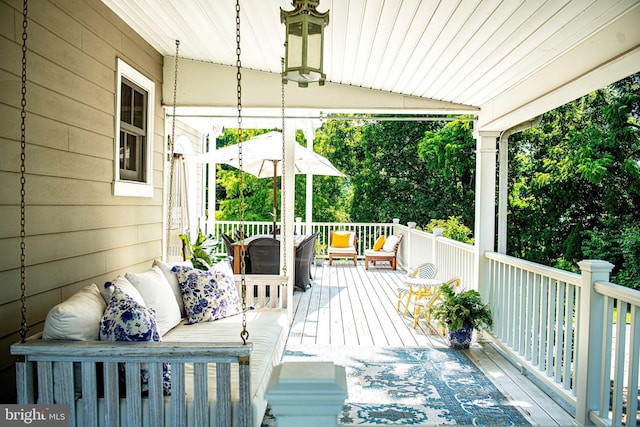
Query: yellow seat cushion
(341, 240)
(379, 243)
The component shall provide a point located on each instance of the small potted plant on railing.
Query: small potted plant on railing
(461, 313)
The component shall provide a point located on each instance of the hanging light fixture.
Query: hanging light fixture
(304, 42)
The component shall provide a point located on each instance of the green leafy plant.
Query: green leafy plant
(201, 251)
(461, 310)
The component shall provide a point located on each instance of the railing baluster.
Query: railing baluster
(634, 360)
(618, 376)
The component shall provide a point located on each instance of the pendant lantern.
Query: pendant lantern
(304, 42)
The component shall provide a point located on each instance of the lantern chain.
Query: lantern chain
(243, 284)
(23, 157)
(172, 149)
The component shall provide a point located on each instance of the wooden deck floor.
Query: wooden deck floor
(351, 306)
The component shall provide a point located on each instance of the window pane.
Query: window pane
(123, 143)
(138, 109)
(132, 153)
(294, 48)
(125, 103)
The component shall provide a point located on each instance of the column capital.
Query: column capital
(486, 134)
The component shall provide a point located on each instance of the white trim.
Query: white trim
(129, 188)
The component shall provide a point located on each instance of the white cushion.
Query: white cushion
(173, 280)
(350, 250)
(76, 318)
(371, 252)
(390, 243)
(125, 286)
(157, 294)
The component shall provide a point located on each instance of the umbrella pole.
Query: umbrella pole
(275, 198)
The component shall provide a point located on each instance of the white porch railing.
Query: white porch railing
(558, 326)
(570, 331)
(367, 233)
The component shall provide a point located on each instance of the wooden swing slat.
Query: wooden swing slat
(223, 385)
(67, 393)
(89, 393)
(200, 386)
(178, 396)
(111, 395)
(45, 381)
(134, 394)
(156, 392)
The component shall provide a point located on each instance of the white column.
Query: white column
(216, 131)
(309, 131)
(286, 202)
(485, 217)
(503, 194)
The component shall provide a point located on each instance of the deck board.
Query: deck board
(350, 306)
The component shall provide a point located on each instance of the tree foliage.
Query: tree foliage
(574, 183)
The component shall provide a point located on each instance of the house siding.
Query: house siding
(78, 233)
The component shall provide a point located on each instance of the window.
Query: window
(134, 133)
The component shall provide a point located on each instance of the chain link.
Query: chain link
(24, 329)
(243, 284)
(282, 178)
(172, 149)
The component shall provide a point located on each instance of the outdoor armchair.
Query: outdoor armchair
(265, 255)
(388, 251)
(304, 254)
(342, 244)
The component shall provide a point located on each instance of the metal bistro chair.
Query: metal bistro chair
(428, 302)
(418, 284)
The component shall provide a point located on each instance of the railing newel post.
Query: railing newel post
(590, 323)
(437, 232)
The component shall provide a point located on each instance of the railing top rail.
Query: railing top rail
(555, 273)
(451, 242)
(623, 293)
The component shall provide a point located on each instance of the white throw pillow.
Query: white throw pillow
(173, 279)
(157, 294)
(390, 243)
(76, 318)
(125, 286)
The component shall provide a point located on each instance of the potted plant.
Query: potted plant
(462, 313)
(201, 251)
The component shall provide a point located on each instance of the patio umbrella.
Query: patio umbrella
(262, 157)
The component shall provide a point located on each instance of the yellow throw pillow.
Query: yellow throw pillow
(341, 240)
(379, 243)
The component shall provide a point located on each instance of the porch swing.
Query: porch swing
(121, 383)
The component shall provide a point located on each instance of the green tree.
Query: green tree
(574, 181)
(449, 155)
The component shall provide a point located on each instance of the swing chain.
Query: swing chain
(172, 150)
(243, 284)
(23, 156)
(283, 175)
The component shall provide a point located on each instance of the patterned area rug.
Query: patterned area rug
(412, 387)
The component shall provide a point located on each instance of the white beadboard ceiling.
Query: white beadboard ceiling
(470, 52)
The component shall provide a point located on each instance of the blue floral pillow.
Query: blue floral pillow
(208, 294)
(126, 320)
